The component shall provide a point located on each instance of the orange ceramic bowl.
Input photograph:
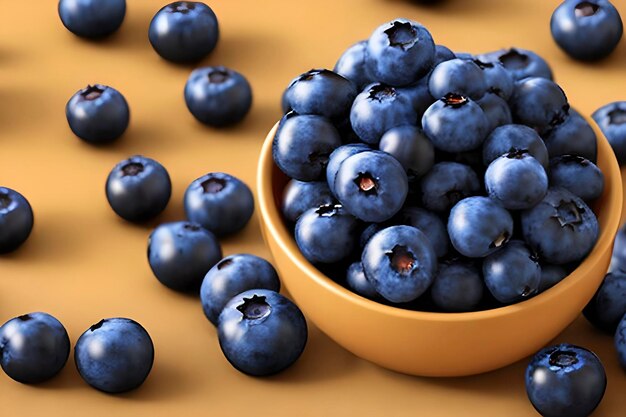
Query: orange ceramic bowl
(435, 344)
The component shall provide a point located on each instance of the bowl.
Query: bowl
(427, 343)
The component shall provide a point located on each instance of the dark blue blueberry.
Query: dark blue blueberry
(455, 124)
(138, 188)
(565, 381)
(446, 184)
(98, 114)
(338, 156)
(285, 106)
(578, 175)
(586, 30)
(479, 226)
(326, 234)
(498, 79)
(303, 144)
(512, 273)
(561, 228)
(92, 18)
(608, 305)
(539, 103)
(430, 224)
(496, 110)
(611, 118)
(572, 137)
(370, 231)
(181, 253)
(357, 281)
(218, 96)
(516, 180)
(400, 52)
(352, 65)
(551, 275)
(231, 276)
(219, 202)
(411, 148)
(618, 260)
(372, 186)
(521, 63)
(419, 95)
(299, 196)
(16, 219)
(379, 108)
(400, 262)
(114, 355)
(620, 342)
(458, 287)
(458, 76)
(33, 347)
(464, 55)
(442, 54)
(261, 332)
(184, 31)
(512, 137)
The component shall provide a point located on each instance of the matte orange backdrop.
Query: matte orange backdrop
(82, 263)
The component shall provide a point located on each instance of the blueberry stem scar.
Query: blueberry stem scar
(255, 308)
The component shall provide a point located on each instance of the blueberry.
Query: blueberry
(181, 253)
(620, 342)
(479, 226)
(338, 156)
(512, 273)
(16, 219)
(352, 65)
(458, 287)
(114, 355)
(411, 148)
(578, 175)
(261, 332)
(400, 52)
(512, 137)
(551, 275)
(231, 276)
(446, 184)
(92, 18)
(303, 144)
(586, 30)
(539, 103)
(430, 224)
(455, 124)
(33, 347)
(372, 186)
(516, 180)
(326, 234)
(521, 63)
(565, 381)
(419, 95)
(400, 262)
(299, 196)
(370, 231)
(464, 55)
(184, 31)
(561, 228)
(285, 106)
(497, 78)
(572, 137)
(98, 114)
(458, 76)
(442, 54)
(611, 118)
(496, 110)
(357, 281)
(219, 202)
(618, 259)
(379, 108)
(138, 188)
(218, 96)
(608, 305)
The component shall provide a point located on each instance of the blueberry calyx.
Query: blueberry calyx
(218, 76)
(254, 308)
(402, 34)
(91, 92)
(213, 185)
(455, 100)
(5, 201)
(132, 168)
(516, 153)
(310, 74)
(97, 325)
(24, 317)
(569, 214)
(328, 210)
(402, 259)
(562, 358)
(183, 7)
(192, 227)
(585, 9)
(366, 183)
(319, 158)
(513, 59)
(500, 240)
(482, 64)
(381, 92)
(575, 159)
(617, 117)
(223, 264)
(560, 116)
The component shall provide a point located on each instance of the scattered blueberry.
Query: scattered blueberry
(496, 110)
(612, 121)
(577, 175)
(299, 196)
(352, 65)
(539, 103)
(608, 305)
(521, 63)
(16, 219)
(411, 148)
(446, 184)
(513, 137)
(92, 18)
(338, 156)
(430, 224)
(457, 76)
(357, 281)
(551, 275)
(458, 287)
(620, 342)
(574, 136)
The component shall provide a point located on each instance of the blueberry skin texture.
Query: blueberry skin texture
(33, 347)
(261, 332)
(234, 275)
(551, 275)
(458, 76)
(321, 92)
(565, 381)
(98, 114)
(496, 110)
(618, 258)
(511, 137)
(455, 124)
(512, 274)
(379, 108)
(370, 231)
(430, 224)
(181, 253)
(561, 228)
(357, 281)
(620, 342)
(479, 226)
(419, 95)
(498, 79)
(218, 96)
(400, 262)
(442, 54)
(446, 184)
(521, 63)
(574, 136)
(400, 52)
(114, 355)
(92, 18)
(184, 31)
(458, 287)
(539, 103)
(410, 146)
(303, 144)
(611, 118)
(138, 188)
(16, 219)
(577, 175)
(372, 186)
(586, 31)
(299, 196)
(352, 65)
(337, 157)
(608, 305)
(516, 180)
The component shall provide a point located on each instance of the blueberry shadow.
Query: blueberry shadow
(164, 383)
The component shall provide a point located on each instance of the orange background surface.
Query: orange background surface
(82, 263)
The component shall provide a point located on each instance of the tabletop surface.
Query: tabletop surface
(82, 263)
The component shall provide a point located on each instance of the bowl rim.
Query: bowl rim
(273, 221)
